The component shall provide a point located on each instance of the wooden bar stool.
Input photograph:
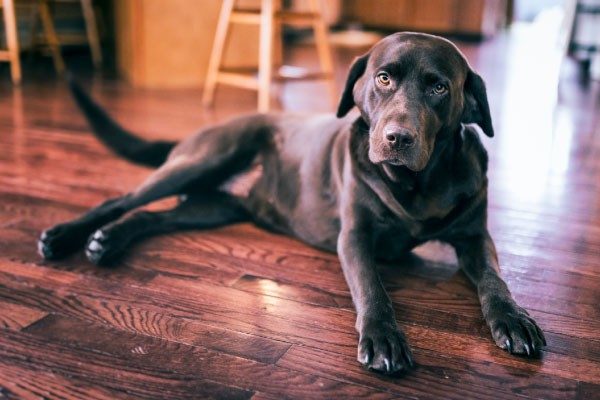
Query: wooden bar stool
(12, 54)
(269, 20)
(54, 40)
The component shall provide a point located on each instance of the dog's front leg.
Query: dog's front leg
(382, 346)
(511, 326)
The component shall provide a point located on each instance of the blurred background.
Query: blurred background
(166, 67)
(167, 44)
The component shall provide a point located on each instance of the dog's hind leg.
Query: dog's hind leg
(71, 236)
(200, 167)
(209, 210)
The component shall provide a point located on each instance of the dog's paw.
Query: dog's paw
(102, 249)
(515, 331)
(383, 348)
(58, 242)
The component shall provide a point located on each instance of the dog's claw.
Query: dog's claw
(94, 246)
(508, 346)
(41, 248)
(105, 246)
(408, 358)
(514, 331)
(383, 348)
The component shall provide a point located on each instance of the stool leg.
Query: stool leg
(323, 47)
(265, 56)
(91, 30)
(216, 54)
(278, 38)
(51, 36)
(12, 40)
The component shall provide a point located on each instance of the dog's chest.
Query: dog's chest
(420, 215)
(429, 209)
(433, 204)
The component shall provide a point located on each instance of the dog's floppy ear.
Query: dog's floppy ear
(356, 70)
(477, 109)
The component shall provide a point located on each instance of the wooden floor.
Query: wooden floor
(240, 313)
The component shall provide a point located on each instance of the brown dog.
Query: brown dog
(406, 171)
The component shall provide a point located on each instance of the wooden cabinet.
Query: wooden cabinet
(472, 17)
(167, 43)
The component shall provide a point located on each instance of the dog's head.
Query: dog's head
(410, 87)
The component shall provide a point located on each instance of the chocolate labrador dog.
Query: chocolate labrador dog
(408, 169)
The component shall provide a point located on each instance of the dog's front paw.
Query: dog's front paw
(103, 248)
(59, 241)
(383, 348)
(514, 330)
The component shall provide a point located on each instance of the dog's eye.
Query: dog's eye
(383, 79)
(440, 88)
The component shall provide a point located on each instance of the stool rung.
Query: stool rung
(235, 76)
(4, 56)
(307, 76)
(237, 79)
(291, 72)
(245, 17)
(253, 17)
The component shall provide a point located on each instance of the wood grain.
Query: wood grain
(14, 316)
(130, 352)
(25, 383)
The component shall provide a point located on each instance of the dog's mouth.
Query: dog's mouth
(414, 156)
(398, 163)
(413, 159)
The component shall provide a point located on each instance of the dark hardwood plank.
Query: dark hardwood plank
(107, 370)
(304, 294)
(587, 391)
(128, 316)
(264, 396)
(14, 316)
(445, 311)
(25, 383)
(339, 336)
(284, 319)
(455, 295)
(162, 360)
(462, 378)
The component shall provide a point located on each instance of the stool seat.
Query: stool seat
(260, 79)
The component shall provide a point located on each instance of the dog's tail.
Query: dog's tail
(116, 138)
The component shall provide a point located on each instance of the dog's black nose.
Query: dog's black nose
(401, 139)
